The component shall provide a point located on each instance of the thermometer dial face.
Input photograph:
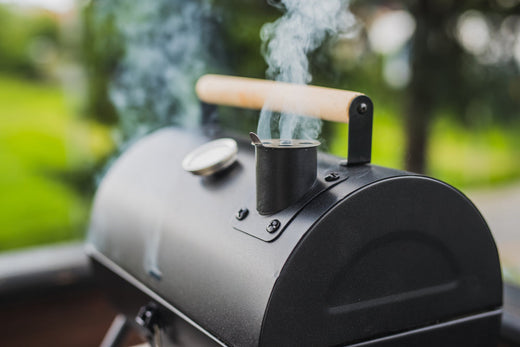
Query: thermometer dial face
(211, 157)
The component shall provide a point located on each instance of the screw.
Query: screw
(273, 226)
(147, 317)
(362, 108)
(242, 213)
(332, 177)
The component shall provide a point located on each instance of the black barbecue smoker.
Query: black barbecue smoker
(215, 239)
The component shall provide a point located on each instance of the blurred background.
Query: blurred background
(80, 81)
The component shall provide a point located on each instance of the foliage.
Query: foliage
(475, 86)
(102, 50)
(27, 42)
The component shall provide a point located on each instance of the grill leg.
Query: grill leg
(116, 333)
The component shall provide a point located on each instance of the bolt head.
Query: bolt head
(333, 176)
(362, 108)
(242, 213)
(273, 226)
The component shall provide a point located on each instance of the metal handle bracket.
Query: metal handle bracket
(361, 114)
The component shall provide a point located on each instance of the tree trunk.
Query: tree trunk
(419, 108)
(418, 118)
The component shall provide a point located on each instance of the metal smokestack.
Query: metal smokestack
(285, 171)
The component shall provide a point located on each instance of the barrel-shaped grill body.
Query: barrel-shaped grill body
(374, 256)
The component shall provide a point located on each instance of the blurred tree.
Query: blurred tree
(474, 86)
(102, 50)
(435, 60)
(28, 42)
(233, 47)
(447, 75)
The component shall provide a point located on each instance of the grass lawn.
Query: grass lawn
(41, 140)
(459, 156)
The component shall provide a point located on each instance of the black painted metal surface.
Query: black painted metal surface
(284, 174)
(401, 253)
(377, 253)
(361, 114)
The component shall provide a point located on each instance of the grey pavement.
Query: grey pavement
(501, 209)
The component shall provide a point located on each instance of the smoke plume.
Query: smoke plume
(286, 44)
(165, 48)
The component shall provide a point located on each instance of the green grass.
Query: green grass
(474, 157)
(457, 155)
(40, 140)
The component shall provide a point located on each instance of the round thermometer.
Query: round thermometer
(211, 157)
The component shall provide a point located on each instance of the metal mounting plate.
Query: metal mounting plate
(256, 224)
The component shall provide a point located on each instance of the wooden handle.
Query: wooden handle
(325, 103)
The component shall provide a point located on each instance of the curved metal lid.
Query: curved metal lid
(211, 157)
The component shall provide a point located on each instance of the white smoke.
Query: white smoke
(165, 49)
(165, 45)
(287, 43)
